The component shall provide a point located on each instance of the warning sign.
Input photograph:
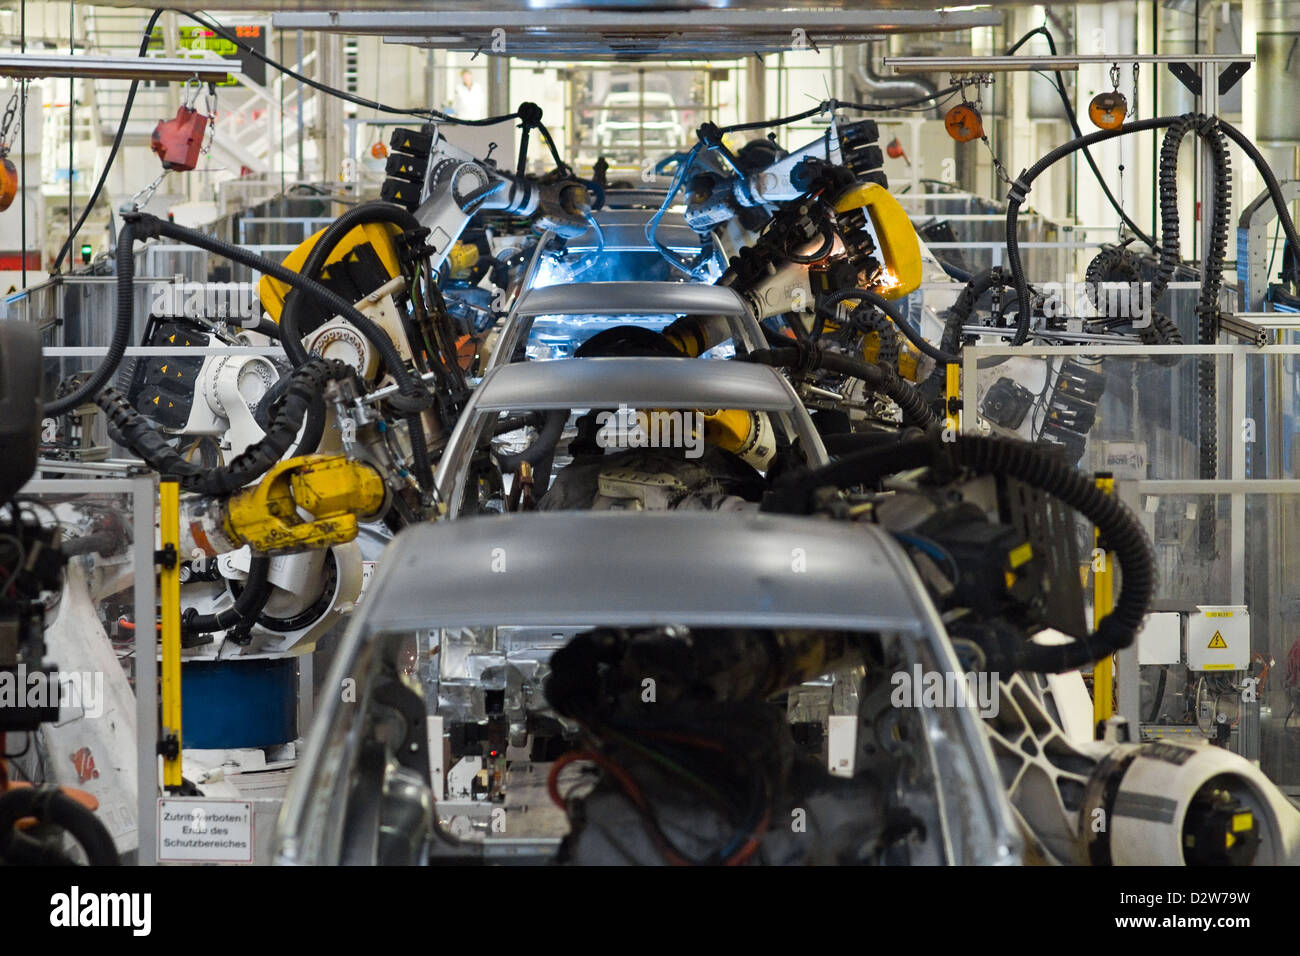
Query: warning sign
(207, 831)
(1217, 642)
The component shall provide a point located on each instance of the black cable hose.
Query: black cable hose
(1118, 526)
(960, 312)
(886, 381)
(411, 396)
(879, 378)
(1270, 181)
(1119, 529)
(827, 307)
(779, 121)
(866, 319)
(833, 104)
(24, 850)
(123, 319)
(294, 303)
(132, 430)
(793, 492)
(1207, 306)
(51, 805)
(547, 437)
(1087, 153)
(1111, 264)
(1208, 129)
(112, 152)
(252, 599)
(1020, 188)
(314, 428)
(290, 316)
(420, 461)
(889, 107)
(441, 117)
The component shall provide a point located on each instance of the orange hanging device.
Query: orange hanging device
(9, 125)
(964, 123)
(8, 182)
(1107, 110)
(178, 142)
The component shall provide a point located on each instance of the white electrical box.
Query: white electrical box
(1161, 639)
(1218, 638)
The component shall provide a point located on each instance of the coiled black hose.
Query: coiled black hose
(1119, 528)
(1020, 188)
(879, 377)
(827, 307)
(1206, 126)
(314, 429)
(411, 396)
(1207, 316)
(132, 430)
(1112, 264)
(960, 312)
(51, 805)
(1209, 130)
(252, 599)
(420, 461)
(122, 321)
(1118, 264)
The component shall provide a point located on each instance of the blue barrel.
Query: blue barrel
(230, 704)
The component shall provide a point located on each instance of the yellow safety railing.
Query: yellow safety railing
(952, 396)
(169, 591)
(1103, 602)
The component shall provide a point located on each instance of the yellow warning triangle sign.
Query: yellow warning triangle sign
(1218, 642)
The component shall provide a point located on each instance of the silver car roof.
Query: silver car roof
(637, 382)
(630, 298)
(609, 568)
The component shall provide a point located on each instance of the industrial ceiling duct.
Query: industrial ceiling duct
(873, 87)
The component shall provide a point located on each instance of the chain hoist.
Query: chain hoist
(179, 142)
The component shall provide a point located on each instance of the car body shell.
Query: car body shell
(660, 383)
(629, 570)
(626, 300)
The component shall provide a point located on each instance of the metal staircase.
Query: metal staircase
(247, 140)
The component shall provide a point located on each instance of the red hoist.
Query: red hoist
(180, 141)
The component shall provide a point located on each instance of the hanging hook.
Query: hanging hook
(188, 98)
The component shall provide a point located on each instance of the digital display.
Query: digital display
(201, 38)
